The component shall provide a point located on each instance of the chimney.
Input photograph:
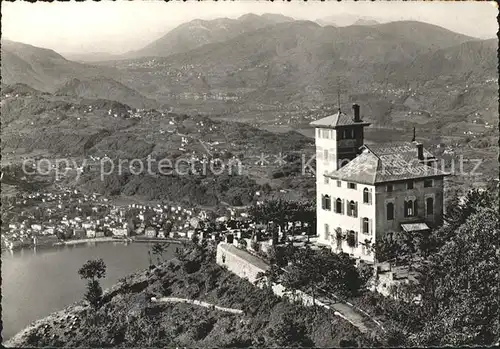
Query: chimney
(355, 107)
(420, 151)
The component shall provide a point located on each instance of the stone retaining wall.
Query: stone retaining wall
(247, 266)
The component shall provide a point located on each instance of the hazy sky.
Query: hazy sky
(121, 26)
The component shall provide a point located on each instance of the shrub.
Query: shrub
(195, 239)
(255, 246)
(351, 240)
(242, 243)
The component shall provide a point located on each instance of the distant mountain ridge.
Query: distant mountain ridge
(43, 69)
(297, 62)
(199, 32)
(363, 21)
(48, 71)
(301, 55)
(346, 19)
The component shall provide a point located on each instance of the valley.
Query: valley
(245, 90)
(203, 154)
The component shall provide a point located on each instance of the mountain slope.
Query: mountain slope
(471, 59)
(48, 71)
(430, 35)
(294, 60)
(201, 32)
(364, 21)
(105, 88)
(345, 19)
(41, 68)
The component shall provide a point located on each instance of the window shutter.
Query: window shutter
(406, 209)
(415, 207)
(370, 226)
(370, 197)
(334, 204)
(343, 209)
(356, 209)
(361, 223)
(356, 239)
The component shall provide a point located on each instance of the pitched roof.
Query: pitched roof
(387, 163)
(337, 119)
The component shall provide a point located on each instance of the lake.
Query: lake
(37, 282)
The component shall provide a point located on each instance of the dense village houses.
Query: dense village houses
(365, 191)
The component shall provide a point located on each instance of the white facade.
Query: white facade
(404, 194)
(347, 211)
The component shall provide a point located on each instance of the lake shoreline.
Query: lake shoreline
(34, 273)
(101, 240)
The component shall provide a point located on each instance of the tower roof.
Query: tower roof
(387, 162)
(336, 120)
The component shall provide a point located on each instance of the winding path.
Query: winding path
(195, 302)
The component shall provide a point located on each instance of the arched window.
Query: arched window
(429, 206)
(409, 209)
(367, 196)
(326, 202)
(352, 210)
(338, 205)
(390, 211)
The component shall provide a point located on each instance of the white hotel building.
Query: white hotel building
(364, 191)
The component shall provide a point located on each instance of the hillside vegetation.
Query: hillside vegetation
(105, 88)
(270, 64)
(301, 64)
(48, 71)
(40, 125)
(127, 317)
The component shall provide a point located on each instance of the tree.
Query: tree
(460, 289)
(288, 333)
(158, 249)
(93, 270)
(337, 275)
(394, 245)
(455, 300)
(94, 293)
(281, 212)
